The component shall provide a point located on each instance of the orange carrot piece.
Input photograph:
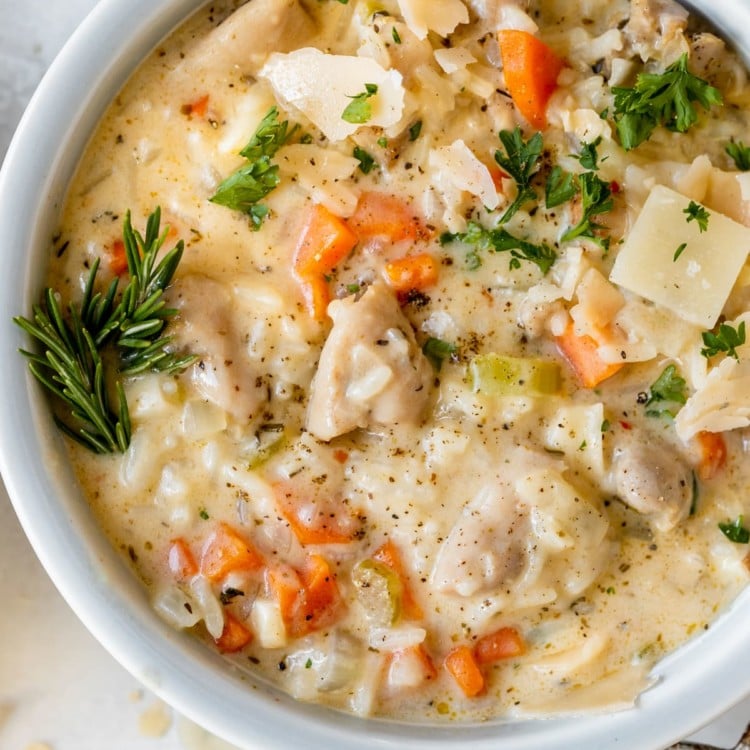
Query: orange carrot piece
(502, 644)
(581, 353)
(235, 635)
(385, 215)
(199, 107)
(713, 454)
(316, 294)
(464, 669)
(314, 519)
(324, 242)
(226, 551)
(118, 260)
(286, 587)
(181, 560)
(531, 69)
(389, 555)
(412, 272)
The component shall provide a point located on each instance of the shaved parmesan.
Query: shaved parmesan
(440, 16)
(321, 86)
(694, 286)
(453, 58)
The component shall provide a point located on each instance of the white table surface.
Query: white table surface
(59, 689)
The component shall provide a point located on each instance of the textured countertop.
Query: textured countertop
(59, 689)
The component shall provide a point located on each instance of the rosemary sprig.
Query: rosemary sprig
(75, 364)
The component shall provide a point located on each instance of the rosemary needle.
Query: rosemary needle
(75, 362)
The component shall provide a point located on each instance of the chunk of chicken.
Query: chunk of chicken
(656, 29)
(486, 547)
(371, 371)
(223, 374)
(244, 39)
(651, 477)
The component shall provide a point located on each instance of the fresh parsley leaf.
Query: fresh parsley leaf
(696, 212)
(667, 99)
(680, 250)
(437, 351)
(382, 141)
(735, 531)
(415, 130)
(561, 187)
(596, 199)
(521, 162)
(500, 240)
(669, 388)
(252, 182)
(366, 161)
(740, 154)
(725, 340)
(359, 109)
(396, 36)
(588, 157)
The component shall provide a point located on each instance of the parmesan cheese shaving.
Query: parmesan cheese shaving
(321, 86)
(440, 16)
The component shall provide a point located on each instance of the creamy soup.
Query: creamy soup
(452, 420)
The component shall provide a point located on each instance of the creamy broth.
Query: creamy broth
(569, 514)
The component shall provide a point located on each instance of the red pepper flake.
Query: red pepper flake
(625, 425)
(614, 186)
(341, 455)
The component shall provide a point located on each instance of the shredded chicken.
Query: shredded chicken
(206, 327)
(656, 29)
(651, 477)
(371, 372)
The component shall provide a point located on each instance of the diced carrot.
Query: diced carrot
(324, 242)
(316, 294)
(226, 551)
(464, 669)
(389, 555)
(713, 454)
(309, 599)
(531, 69)
(181, 560)
(412, 272)
(581, 353)
(315, 518)
(385, 215)
(502, 644)
(118, 260)
(235, 635)
(199, 107)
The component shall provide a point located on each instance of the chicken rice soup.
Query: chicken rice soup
(438, 408)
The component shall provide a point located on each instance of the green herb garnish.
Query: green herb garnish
(500, 240)
(668, 389)
(359, 109)
(75, 364)
(740, 154)
(680, 250)
(252, 182)
(437, 351)
(735, 531)
(415, 130)
(697, 213)
(667, 99)
(596, 199)
(521, 162)
(366, 160)
(396, 36)
(561, 187)
(588, 157)
(726, 339)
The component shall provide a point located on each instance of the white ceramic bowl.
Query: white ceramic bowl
(694, 685)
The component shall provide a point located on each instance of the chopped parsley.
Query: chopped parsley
(396, 36)
(203, 513)
(521, 162)
(666, 391)
(596, 199)
(415, 130)
(605, 426)
(665, 99)
(366, 160)
(252, 182)
(588, 157)
(560, 187)
(680, 250)
(735, 531)
(697, 213)
(437, 351)
(382, 141)
(359, 109)
(740, 154)
(726, 339)
(500, 240)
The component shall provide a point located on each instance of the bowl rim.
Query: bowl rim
(693, 686)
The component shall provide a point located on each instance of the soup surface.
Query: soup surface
(464, 287)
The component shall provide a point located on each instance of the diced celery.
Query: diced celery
(267, 441)
(499, 375)
(379, 591)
